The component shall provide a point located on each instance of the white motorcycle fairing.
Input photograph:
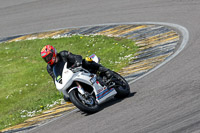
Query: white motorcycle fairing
(83, 76)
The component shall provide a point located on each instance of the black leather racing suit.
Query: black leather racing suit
(76, 60)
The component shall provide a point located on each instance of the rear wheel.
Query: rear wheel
(86, 103)
(121, 86)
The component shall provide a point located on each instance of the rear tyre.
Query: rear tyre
(121, 86)
(87, 105)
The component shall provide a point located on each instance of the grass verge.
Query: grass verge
(25, 86)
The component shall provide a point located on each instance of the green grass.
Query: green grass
(25, 86)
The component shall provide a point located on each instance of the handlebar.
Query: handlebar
(77, 69)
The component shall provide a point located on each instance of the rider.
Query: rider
(50, 55)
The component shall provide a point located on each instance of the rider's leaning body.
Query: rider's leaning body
(50, 55)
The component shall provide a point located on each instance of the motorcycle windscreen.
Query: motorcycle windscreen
(57, 71)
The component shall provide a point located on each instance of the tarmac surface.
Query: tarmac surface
(165, 101)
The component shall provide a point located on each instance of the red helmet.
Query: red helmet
(49, 53)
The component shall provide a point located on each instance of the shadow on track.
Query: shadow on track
(109, 103)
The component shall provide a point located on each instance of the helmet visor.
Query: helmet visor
(48, 57)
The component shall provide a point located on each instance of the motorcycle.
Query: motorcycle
(87, 91)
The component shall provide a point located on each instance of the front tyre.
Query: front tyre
(121, 86)
(87, 104)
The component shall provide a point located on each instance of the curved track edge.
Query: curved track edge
(178, 45)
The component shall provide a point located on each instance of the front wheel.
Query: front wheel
(121, 86)
(87, 104)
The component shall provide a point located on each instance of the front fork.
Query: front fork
(85, 97)
(80, 88)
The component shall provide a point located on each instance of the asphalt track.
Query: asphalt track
(167, 100)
